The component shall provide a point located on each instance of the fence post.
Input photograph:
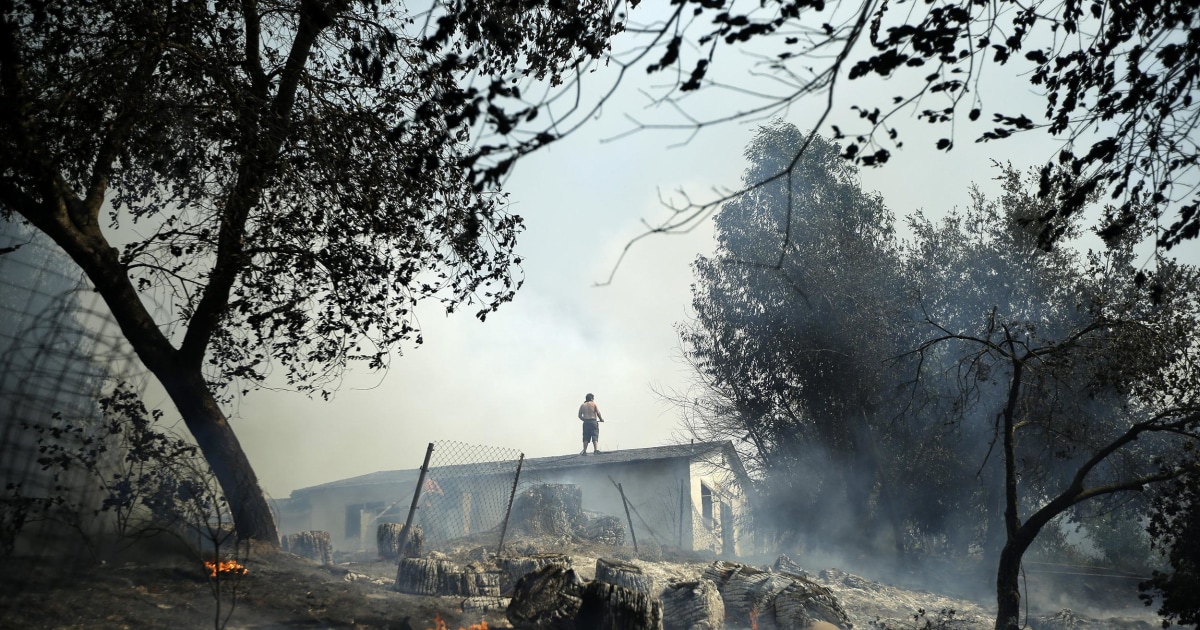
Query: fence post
(412, 509)
(511, 496)
(628, 518)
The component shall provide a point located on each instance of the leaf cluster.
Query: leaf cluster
(122, 471)
(293, 177)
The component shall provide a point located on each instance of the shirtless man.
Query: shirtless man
(589, 413)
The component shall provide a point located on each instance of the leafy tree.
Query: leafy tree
(1098, 378)
(1050, 377)
(794, 340)
(302, 172)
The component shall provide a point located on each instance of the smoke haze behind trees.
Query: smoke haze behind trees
(866, 378)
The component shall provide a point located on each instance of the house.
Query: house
(705, 482)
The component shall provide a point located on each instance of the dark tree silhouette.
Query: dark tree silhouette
(300, 174)
(796, 344)
(1099, 378)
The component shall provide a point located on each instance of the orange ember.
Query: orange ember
(440, 624)
(224, 568)
(754, 618)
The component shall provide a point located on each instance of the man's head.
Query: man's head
(589, 398)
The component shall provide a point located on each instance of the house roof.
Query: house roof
(535, 465)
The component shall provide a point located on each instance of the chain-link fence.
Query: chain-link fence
(60, 352)
(463, 496)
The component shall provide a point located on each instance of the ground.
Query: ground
(170, 589)
(279, 590)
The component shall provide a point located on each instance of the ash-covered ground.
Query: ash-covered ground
(169, 588)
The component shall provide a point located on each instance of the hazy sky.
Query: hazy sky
(517, 380)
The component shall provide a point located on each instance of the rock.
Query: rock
(611, 607)
(513, 569)
(624, 574)
(314, 545)
(547, 599)
(693, 606)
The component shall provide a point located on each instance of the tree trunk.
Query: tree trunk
(1017, 537)
(251, 514)
(1008, 591)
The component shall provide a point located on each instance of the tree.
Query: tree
(794, 338)
(1054, 378)
(302, 171)
(1099, 380)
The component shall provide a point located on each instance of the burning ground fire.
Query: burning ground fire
(440, 624)
(224, 568)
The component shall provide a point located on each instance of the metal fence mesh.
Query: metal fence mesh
(60, 351)
(464, 499)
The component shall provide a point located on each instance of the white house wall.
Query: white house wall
(714, 473)
(651, 487)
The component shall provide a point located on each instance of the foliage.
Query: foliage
(300, 174)
(1010, 383)
(1099, 389)
(149, 482)
(1114, 81)
(794, 345)
(1175, 531)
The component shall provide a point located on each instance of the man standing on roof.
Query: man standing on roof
(589, 413)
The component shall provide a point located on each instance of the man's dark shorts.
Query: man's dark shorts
(591, 430)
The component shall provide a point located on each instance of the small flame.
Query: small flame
(754, 618)
(440, 624)
(224, 568)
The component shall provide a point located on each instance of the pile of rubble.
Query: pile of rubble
(577, 587)
(546, 592)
